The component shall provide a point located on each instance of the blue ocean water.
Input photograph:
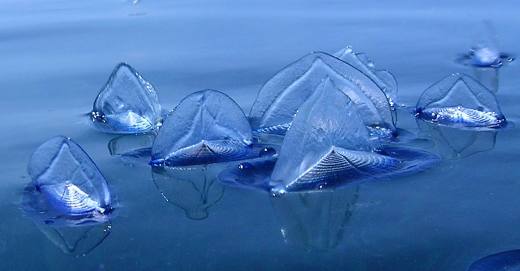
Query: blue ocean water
(56, 55)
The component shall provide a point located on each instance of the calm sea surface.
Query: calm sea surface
(56, 55)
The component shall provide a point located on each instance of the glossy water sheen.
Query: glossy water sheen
(57, 54)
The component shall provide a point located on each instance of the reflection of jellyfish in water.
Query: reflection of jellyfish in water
(74, 239)
(68, 197)
(453, 143)
(132, 149)
(315, 220)
(193, 189)
(485, 58)
(502, 261)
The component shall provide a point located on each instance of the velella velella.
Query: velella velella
(503, 261)
(127, 104)
(485, 58)
(460, 101)
(383, 78)
(192, 189)
(67, 187)
(329, 145)
(206, 127)
(486, 54)
(279, 99)
(315, 220)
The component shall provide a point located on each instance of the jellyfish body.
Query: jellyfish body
(127, 104)
(460, 101)
(206, 127)
(281, 97)
(328, 145)
(507, 261)
(66, 184)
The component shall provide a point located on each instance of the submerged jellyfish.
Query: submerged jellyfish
(503, 261)
(315, 220)
(281, 97)
(192, 189)
(127, 104)
(66, 187)
(460, 101)
(328, 145)
(383, 78)
(206, 127)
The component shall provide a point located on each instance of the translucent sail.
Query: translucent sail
(68, 181)
(326, 122)
(206, 127)
(460, 100)
(127, 104)
(328, 145)
(279, 99)
(384, 79)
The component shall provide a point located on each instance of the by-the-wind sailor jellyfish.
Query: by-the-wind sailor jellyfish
(328, 145)
(127, 104)
(383, 78)
(206, 127)
(503, 261)
(485, 54)
(66, 184)
(279, 99)
(460, 101)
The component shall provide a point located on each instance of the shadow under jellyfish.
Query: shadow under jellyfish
(280, 98)
(127, 104)
(68, 197)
